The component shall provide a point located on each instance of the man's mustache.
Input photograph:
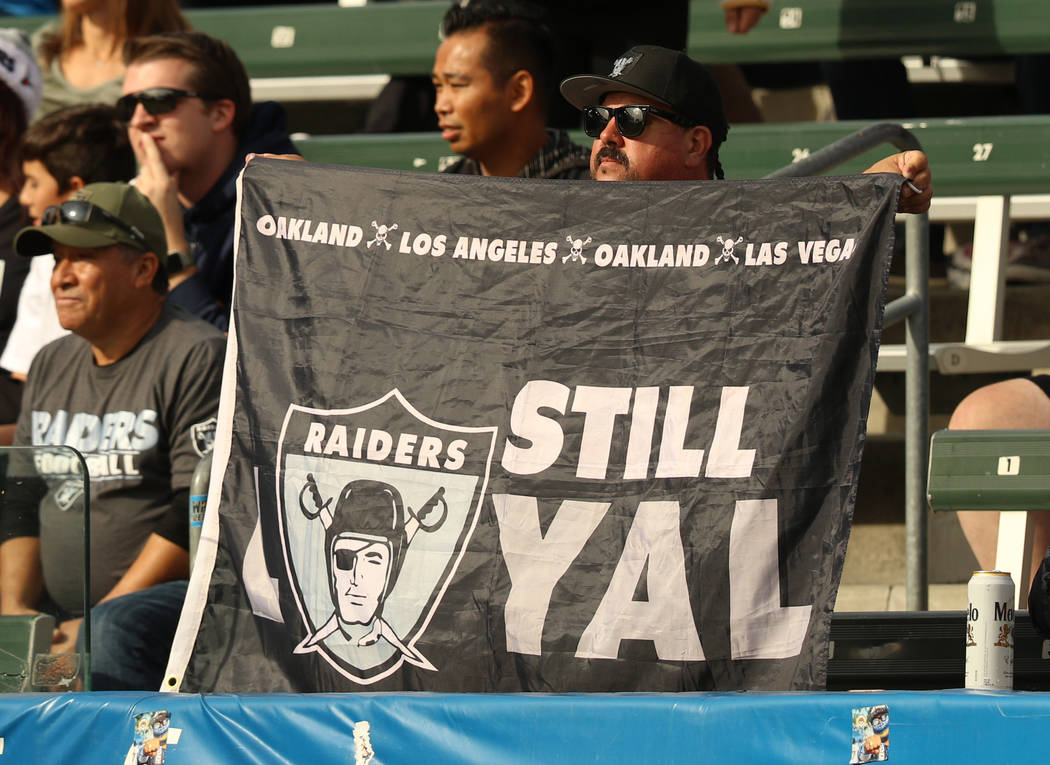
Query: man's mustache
(612, 153)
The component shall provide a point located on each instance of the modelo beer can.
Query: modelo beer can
(990, 631)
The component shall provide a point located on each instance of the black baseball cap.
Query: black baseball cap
(114, 213)
(669, 76)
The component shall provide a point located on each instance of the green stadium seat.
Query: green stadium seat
(1005, 470)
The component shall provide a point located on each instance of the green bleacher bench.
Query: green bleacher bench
(22, 639)
(922, 650)
(400, 38)
(1005, 470)
(820, 30)
(980, 155)
(293, 41)
(990, 470)
(318, 39)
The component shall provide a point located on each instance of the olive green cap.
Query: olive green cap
(144, 232)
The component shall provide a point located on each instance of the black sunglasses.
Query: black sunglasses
(155, 101)
(79, 211)
(630, 120)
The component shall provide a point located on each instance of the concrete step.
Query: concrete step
(876, 553)
(874, 574)
(892, 597)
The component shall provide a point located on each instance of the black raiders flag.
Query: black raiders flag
(505, 435)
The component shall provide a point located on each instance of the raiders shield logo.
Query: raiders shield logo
(203, 436)
(69, 494)
(377, 504)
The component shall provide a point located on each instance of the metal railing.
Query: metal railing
(914, 309)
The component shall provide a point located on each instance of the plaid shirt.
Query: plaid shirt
(559, 158)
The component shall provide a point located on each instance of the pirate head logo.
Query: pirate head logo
(366, 536)
(378, 504)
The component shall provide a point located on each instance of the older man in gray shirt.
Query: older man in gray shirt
(135, 389)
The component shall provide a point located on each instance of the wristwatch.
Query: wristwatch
(177, 261)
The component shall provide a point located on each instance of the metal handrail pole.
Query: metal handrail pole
(916, 403)
(848, 147)
(85, 625)
(901, 308)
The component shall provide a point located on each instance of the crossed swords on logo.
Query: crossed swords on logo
(416, 522)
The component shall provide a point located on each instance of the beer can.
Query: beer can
(990, 631)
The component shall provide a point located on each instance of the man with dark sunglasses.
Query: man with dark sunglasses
(135, 389)
(191, 121)
(658, 116)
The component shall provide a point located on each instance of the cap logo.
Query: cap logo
(621, 64)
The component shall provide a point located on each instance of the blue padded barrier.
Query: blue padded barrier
(924, 727)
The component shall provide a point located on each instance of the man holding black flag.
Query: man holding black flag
(643, 507)
(658, 117)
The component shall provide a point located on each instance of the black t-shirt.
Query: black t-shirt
(13, 267)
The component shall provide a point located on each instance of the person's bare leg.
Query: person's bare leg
(1009, 405)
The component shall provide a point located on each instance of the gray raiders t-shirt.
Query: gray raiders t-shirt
(142, 425)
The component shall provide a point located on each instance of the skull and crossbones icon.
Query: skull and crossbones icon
(576, 249)
(381, 234)
(727, 249)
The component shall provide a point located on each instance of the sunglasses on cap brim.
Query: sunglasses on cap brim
(156, 101)
(630, 120)
(80, 211)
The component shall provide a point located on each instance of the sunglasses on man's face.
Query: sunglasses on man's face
(155, 101)
(80, 211)
(630, 120)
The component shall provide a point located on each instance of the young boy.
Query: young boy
(70, 148)
(63, 152)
